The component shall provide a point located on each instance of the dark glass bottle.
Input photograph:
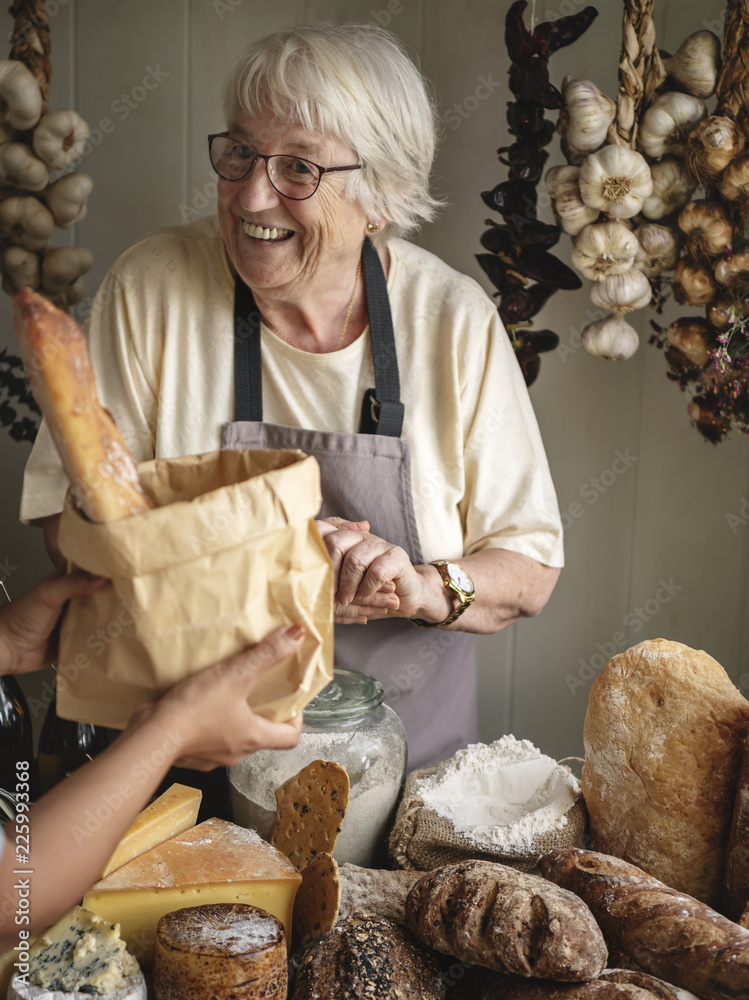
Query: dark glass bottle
(16, 741)
(64, 746)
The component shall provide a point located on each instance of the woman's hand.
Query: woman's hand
(377, 579)
(28, 638)
(208, 716)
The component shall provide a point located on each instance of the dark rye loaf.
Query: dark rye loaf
(510, 921)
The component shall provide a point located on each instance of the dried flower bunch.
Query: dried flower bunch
(655, 197)
(518, 250)
(38, 147)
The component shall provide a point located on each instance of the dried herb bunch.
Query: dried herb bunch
(518, 262)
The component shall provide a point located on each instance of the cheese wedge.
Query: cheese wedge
(215, 862)
(170, 814)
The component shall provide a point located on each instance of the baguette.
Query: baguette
(667, 933)
(506, 920)
(101, 470)
(736, 884)
(613, 984)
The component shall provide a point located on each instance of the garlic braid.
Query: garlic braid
(641, 70)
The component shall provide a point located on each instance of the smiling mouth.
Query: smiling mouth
(259, 233)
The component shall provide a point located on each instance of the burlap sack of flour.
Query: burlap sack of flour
(229, 553)
(422, 840)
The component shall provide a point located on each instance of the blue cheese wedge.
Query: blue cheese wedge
(81, 955)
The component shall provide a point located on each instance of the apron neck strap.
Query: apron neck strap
(248, 379)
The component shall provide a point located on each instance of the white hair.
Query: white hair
(356, 83)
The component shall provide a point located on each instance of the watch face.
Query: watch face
(459, 577)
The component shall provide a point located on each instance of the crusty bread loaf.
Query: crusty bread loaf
(668, 934)
(736, 881)
(227, 951)
(663, 737)
(506, 920)
(376, 891)
(366, 957)
(96, 459)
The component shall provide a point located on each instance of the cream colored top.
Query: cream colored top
(161, 341)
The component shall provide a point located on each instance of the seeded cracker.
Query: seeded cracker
(309, 811)
(317, 901)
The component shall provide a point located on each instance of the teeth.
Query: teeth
(264, 234)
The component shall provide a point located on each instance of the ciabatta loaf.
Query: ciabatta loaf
(663, 741)
(96, 459)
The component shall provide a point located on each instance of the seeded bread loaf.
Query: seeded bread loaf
(667, 933)
(492, 915)
(96, 459)
(368, 957)
(663, 739)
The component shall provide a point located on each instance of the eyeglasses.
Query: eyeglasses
(291, 176)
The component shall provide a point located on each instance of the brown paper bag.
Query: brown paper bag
(229, 553)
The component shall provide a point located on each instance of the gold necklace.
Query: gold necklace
(345, 322)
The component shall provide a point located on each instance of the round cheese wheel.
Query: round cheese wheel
(221, 950)
(19, 990)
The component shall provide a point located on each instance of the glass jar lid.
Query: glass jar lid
(350, 695)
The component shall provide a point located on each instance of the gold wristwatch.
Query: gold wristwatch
(455, 578)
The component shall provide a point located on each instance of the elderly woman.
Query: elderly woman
(301, 318)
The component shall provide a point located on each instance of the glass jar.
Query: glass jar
(349, 723)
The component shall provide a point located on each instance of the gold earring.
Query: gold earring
(373, 227)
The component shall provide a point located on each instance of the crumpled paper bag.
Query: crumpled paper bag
(229, 553)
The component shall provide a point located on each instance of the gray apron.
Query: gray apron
(429, 675)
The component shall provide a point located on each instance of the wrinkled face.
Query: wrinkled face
(317, 239)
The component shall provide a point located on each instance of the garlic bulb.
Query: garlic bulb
(734, 184)
(666, 124)
(657, 249)
(66, 198)
(694, 284)
(611, 338)
(727, 311)
(557, 176)
(615, 180)
(585, 118)
(570, 210)
(671, 189)
(27, 221)
(20, 268)
(728, 268)
(63, 266)
(20, 96)
(622, 292)
(712, 145)
(691, 336)
(707, 228)
(20, 168)
(604, 248)
(695, 64)
(59, 138)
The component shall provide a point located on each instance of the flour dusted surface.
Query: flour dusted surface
(504, 794)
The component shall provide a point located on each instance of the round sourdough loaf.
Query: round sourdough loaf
(663, 738)
(228, 951)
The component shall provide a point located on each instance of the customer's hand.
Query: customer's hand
(28, 638)
(207, 717)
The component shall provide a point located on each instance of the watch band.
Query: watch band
(465, 599)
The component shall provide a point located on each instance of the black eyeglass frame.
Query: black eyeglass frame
(269, 156)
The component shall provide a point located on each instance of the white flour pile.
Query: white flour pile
(503, 794)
